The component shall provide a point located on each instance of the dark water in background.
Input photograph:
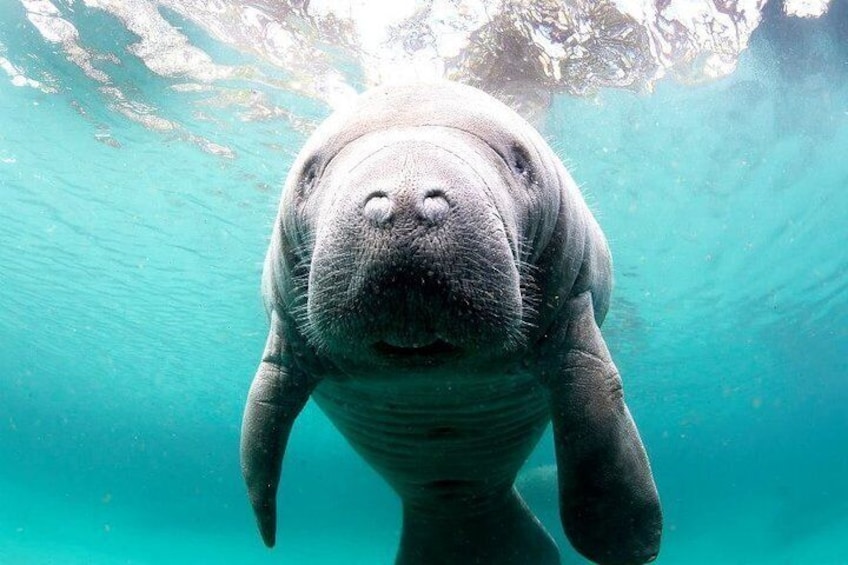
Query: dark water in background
(130, 318)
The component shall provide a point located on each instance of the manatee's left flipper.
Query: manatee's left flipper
(276, 397)
(609, 505)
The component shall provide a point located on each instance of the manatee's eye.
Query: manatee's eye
(519, 162)
(308, 175)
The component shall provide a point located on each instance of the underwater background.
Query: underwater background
(143, 145)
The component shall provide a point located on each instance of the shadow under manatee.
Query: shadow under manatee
(538, 487)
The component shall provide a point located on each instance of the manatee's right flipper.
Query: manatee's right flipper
(276, 397)
(609, 505)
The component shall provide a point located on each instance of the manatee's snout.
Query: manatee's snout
(406, 267)
(415, 252)
(428, 206)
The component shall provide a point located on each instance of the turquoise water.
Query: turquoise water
(131, 323)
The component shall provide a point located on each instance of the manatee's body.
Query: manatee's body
(435, 283)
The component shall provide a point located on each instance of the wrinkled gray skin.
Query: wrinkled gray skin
(435, 283)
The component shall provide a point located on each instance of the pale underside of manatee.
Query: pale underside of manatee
(435, 283)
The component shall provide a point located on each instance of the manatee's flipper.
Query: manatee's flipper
(276, 397)
(609, 505)
(502, 532)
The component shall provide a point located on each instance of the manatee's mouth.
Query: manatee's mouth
(435, 349)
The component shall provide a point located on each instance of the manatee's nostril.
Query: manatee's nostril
(378, 208)
(434, 207)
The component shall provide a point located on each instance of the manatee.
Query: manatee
(435, 282)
